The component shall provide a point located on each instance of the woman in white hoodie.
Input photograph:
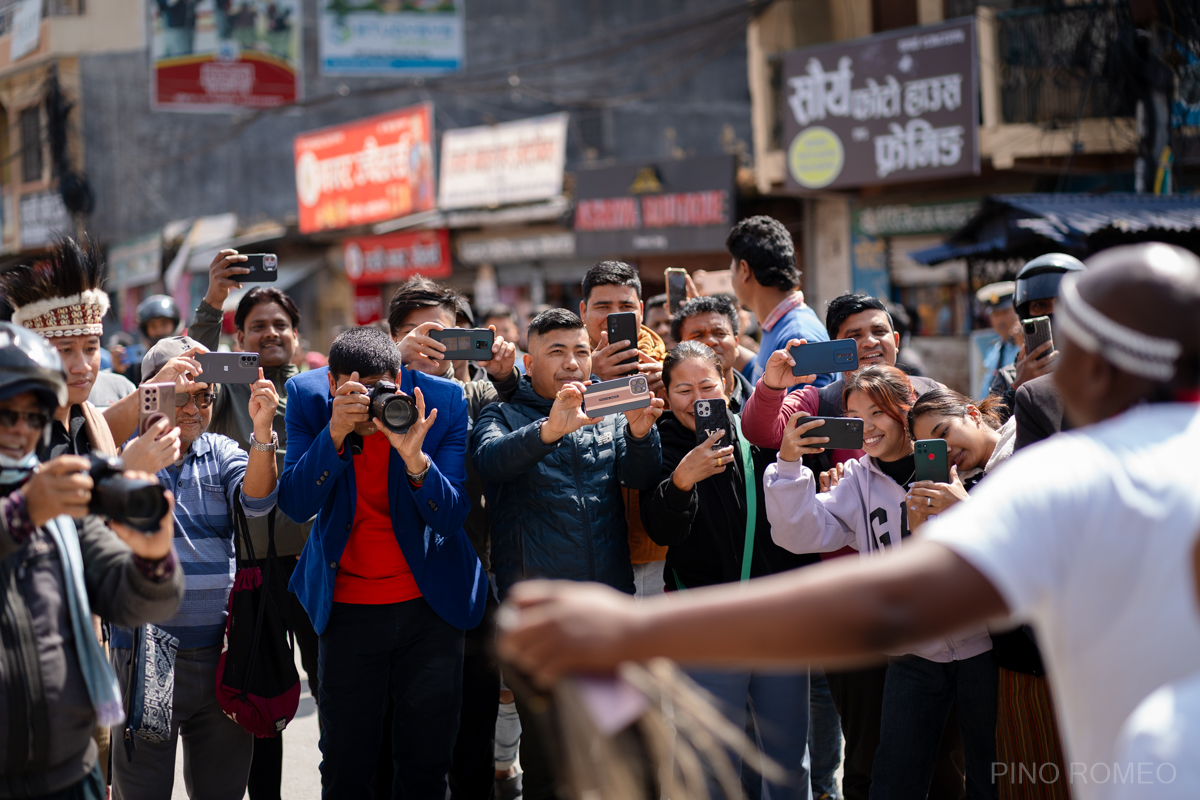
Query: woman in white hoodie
(1027, 738)
(867, 510)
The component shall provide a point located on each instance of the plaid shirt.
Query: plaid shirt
(206, 485)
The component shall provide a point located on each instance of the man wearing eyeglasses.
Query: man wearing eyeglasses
(212, 475)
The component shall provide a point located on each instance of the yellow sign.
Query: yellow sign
(816, 157)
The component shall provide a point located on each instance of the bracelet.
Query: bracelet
(419, 477)
(270, 447)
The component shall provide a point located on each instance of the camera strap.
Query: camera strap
(751, 498)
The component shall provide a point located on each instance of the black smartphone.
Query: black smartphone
(818, 358)
(264, 268)
(711, 416)
(1037, 333)
(845, 433)
(932, 462)
(676, 288)
(227, 367)
(623, 326)
(466, 344)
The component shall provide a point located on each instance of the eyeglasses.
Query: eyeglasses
(203, 399)
(35, 420)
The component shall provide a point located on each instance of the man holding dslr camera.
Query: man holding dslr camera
(212, 477)
(387, 576)
(56, 686)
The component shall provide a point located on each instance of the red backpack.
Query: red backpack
(258, 686)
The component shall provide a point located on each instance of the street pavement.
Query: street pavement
(301, 756)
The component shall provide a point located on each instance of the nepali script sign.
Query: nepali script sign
(897, 107)
(366, 171)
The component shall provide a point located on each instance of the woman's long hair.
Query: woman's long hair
(949, 403)
(887, 387)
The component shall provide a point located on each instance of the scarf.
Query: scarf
(101, 683)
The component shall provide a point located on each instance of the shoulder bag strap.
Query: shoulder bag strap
(751, 498)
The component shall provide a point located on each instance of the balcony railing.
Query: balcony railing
(1059, 64)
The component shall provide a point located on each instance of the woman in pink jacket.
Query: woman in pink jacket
(865, 509)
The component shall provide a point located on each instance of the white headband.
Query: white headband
(1140, 354)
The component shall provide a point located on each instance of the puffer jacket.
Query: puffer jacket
(556, 508)
(864, 511)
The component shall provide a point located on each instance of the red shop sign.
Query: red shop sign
(397, 257)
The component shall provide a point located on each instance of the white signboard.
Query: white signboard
(417, 37)
(43, 217)
(513, 162)
(26, 28)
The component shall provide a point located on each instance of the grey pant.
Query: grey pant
(216, 750)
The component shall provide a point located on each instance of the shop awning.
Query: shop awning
(1027, 225)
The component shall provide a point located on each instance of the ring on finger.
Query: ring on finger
(929, 502)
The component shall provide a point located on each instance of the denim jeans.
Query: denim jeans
(779, 703)
(824, 737)
(917, 697)
(368, 653)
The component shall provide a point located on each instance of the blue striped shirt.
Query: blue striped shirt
(206, 485)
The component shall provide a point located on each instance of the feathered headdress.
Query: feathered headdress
(61, 294)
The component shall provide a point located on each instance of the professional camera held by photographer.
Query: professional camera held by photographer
(61, 563)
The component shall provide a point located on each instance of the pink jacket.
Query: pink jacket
(864, 511)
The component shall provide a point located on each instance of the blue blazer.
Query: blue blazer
(427, 521)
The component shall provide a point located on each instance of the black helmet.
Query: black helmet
(157, 306)
(1039, 279)
(28, 363)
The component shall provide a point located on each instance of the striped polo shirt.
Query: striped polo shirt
(206, 485)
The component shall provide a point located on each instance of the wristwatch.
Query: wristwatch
(419, 478)
(269, 448)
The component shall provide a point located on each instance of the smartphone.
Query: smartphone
(932, 463)
(615, 396)
(676, 288)
(227, 367)
(840, 355)
(711, 416)
(845, 433)
(466, 344)
(623, 326)
(1037, 333)
(155, 401)
(264, 268)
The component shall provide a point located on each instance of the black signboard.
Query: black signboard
(895, 107)
(643, 207)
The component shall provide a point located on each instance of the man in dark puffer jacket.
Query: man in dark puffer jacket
(555, 481)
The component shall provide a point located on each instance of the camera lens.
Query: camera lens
(139, 504)
(399, 413)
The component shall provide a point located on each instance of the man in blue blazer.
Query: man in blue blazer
(387, 576)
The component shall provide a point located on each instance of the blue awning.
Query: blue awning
(1023, 225)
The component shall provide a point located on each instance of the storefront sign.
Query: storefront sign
(397, 257)
(413, 38)
(683, 206)
(895, 107)
(212, 56)
(43, 217)
(513, 162)
(371, 170)
(508, 249)
(368, 304)
(905, 219)
(135, 262)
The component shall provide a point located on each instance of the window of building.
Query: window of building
(31, 145)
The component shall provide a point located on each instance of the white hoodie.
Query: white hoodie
(864, 511)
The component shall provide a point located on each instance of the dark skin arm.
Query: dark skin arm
(836, 611)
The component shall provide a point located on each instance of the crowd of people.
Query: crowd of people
(994, 633)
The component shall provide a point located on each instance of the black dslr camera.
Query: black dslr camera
(137, 503)
(397, 412)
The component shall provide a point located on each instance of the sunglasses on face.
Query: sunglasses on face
(203, 399)
(34, 420)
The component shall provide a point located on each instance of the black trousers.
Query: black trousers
(858, 695)
(473, 774)
(266, 770)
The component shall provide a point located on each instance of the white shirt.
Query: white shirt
(1160, 746)
(1088, 535)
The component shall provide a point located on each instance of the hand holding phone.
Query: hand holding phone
(227, 367)
(844, 433)
(264, 268)
(712, 416)
(614, 397)
(676, 288)
(623, 326)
